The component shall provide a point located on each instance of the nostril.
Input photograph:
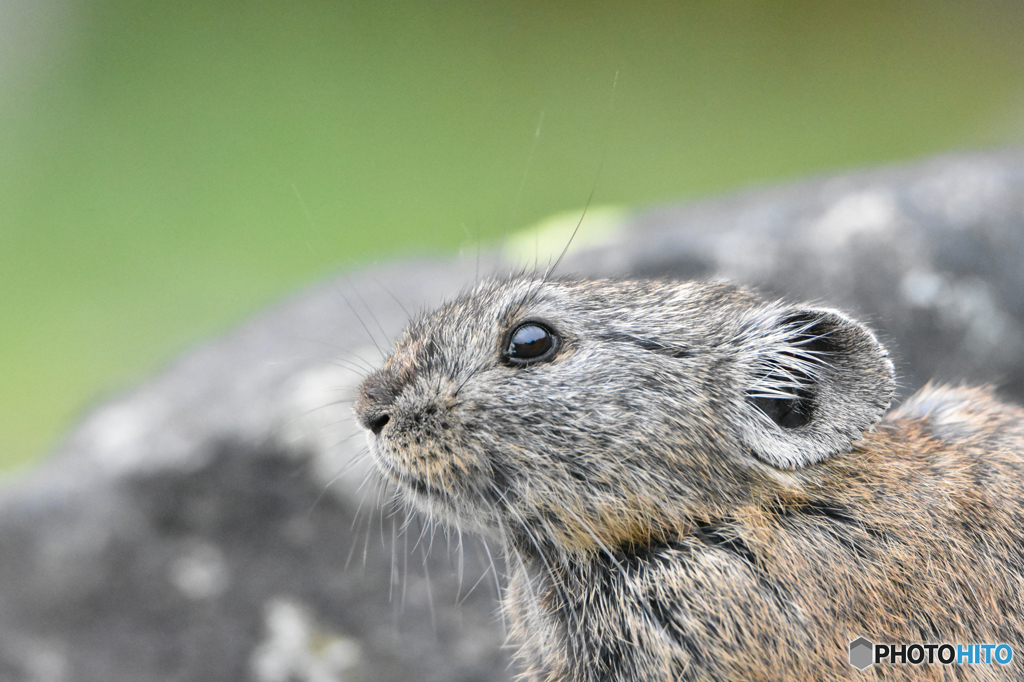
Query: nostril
(378, 423)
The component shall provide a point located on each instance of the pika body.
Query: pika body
(691, 482)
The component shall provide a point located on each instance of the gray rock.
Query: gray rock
(220, 522)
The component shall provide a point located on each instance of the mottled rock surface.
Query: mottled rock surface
(220, 522)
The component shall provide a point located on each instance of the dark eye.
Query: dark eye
(529, 343)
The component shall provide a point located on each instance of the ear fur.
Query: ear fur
(816, 382)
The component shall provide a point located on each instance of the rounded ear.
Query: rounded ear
(817, 381)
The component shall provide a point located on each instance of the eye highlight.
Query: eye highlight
(529, 343)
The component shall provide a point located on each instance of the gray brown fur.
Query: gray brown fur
(659, 526)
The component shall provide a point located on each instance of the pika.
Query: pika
(693, 483)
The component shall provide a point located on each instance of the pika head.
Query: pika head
(579, 414)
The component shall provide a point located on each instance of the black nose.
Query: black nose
(376, 400)
(378, 423)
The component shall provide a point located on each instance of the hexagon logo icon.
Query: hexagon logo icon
(861, 650)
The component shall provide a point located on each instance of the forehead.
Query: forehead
(488, 307)
(654, 306)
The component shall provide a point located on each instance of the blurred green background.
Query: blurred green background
(167, 168)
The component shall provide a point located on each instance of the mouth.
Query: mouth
(421, 488)
(415, 485)
(450, 506)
